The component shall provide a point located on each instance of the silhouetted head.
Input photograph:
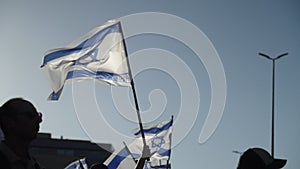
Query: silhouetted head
(258, 158)
(20, 119)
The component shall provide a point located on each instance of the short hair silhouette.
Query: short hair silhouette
(16, 107)
(20, 123)
(258, 158)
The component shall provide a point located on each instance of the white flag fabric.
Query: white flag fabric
(120, 159)
(99, 55)
(158, 138)
(157, 164)
(78, 164)
(151, 165)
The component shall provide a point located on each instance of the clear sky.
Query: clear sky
(166, 71)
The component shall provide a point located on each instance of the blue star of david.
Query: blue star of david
(157, 141)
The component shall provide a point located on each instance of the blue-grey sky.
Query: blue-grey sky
(238, 30)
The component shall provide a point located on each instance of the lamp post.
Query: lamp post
(273, 99)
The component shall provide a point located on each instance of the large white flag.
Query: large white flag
(100, 55)
(78, 164)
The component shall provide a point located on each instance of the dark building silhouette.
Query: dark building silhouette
(58, 153)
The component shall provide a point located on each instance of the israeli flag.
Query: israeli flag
(120, 159)
(78, 164)
(99, 55)
(157, 137)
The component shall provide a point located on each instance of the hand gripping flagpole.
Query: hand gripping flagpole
(133, 89)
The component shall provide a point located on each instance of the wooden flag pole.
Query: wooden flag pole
(133, 90)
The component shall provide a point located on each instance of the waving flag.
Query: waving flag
(99, 55)
(158, 138)
(120, 159)
(78, 164)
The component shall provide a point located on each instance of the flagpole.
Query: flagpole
(133, 89)
(168, 161)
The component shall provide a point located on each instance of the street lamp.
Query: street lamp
(273, 99)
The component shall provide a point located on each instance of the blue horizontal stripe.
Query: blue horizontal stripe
(98, 75)
(117, 78)
(164, 152)
(95, 39)
(55, 96)
(115, 162)
(156, 130)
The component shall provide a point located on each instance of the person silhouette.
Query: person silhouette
(19, 121)
(258, 158)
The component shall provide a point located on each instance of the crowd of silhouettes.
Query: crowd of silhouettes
(19, 121)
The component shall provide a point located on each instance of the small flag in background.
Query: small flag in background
(120, 159)
(158, 138)
(100, 55)
(78, 164)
